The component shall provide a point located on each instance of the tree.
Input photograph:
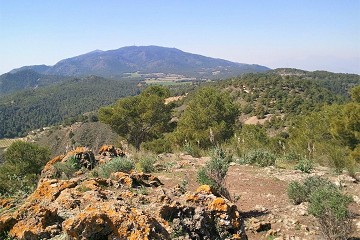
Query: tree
(355, 94)
(209, 118)
(23, 163)
(140, 118)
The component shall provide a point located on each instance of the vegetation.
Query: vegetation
(60, 103)
(25, 79)
(326, 203)
(208, 120)
(22, 166)
(118, 164)
(304, 165)
(140, 118)
(299, 193)
(146, 164)
(259, 157)
(158, 146)
(330, 207)
(330, 136)
(67, 168)
(214, 172)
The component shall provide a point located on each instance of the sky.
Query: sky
(305, 34)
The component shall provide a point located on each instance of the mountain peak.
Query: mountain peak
(147, 59)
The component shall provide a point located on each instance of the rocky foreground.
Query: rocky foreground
(136, 205)
(125, 206)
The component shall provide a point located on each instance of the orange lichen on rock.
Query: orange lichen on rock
(45, 225)
(106, 221)
(135, 179)
(49, 169)
(78, 150)
(6, 203)
(204, 189)
(52, 162)
(107, 148)
(218, 204)
(122, 178)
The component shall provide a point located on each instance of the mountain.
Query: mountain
(145, 59)
(25, 79)
(37, 68)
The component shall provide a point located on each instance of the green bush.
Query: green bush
(23, 163)
(304, 165)
(115, 165)
(330, 207)
(261, 158)
(158, 146)
(146, 164)
(67, 168)
(214, 171)
(299, 193)
(192, 149)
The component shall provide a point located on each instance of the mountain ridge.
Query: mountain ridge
(146, 59)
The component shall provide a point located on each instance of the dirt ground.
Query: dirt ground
(261, 196)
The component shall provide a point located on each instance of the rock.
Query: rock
(302, 209)
(356, 199)
(98, 208)
(111, 151)
(262, 226)
(257, 225)
(271, 232)
(105, 221)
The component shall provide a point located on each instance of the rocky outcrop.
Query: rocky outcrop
(84, 157)
(125, 206)
(110, 150)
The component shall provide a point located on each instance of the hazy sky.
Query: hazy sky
(306, 34)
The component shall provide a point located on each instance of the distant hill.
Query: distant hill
(287, 96)
(145, 59)
(338, 83)
(32, 109)
(37, 68)
(25, 79)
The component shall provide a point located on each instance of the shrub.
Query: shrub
(146, 164)
(67, 168)
(192, 149)
(115, 165)
(329, 206)
(299, 193)
(304, 165)
(22, 164)
(158, 146)
(214, 172)
(261, 158)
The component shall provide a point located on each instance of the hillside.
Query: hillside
(285, 97)
(339, 83)
(146, 59)
(36, 108)
(25, 79)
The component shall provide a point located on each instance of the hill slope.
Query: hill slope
(32, 109)
(339, 83)
(146, 59)
(25, 79)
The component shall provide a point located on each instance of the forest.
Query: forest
(52, 105)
